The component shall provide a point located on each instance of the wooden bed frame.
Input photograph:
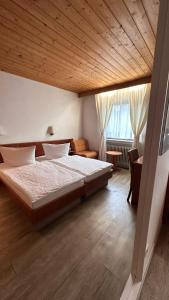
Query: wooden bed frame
(39, 215)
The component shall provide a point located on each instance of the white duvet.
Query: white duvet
(40, 183)
(90, 168)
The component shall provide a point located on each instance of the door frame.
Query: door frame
(142, 251)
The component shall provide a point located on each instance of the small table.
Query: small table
(137, 169)
(114, 157)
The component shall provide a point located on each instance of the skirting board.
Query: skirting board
(133, 289)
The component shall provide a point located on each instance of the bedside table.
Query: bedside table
(114, 157)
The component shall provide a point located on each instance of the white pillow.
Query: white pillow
(56, 150)
(18, 156)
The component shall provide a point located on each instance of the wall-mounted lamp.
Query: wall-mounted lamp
(50, 130)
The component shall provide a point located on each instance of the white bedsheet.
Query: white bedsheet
(40, 183)
(90, 168)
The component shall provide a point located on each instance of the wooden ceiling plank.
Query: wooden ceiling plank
(117, 60)
(55, 66)
(23, 59)
(10, 44)
(98, 46)
(152, 9)
(90, 34)
(102, 10)
(48, 78)
(121, 12)
(19, 56)
(103, 29)
(48, 21)
(140, 17)
(25, 65)
(113, 87)
(18, 49)
(19, 12)
(29, 75)
(39, 51)
(48, 73)
(26, 74)
(81, 67)
(25, 62)
(77, 45)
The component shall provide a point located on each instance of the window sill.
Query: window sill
(119, 140)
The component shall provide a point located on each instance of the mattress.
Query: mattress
(40, 183)
(90, 168)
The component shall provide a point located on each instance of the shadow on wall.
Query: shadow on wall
(89, 122)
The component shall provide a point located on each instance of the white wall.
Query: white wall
(90, 129)
(28, 107)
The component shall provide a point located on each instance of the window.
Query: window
(119, 126)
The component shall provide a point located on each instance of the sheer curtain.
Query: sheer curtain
(104, 109)
(119, 126)
(129, 114)
(139, 102)
(122, 114)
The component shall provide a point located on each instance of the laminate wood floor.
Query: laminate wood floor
(85, 254)
(156, 285)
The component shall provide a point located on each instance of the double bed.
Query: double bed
(49, 187)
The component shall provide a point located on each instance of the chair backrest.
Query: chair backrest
(133, 155)
(80, 145)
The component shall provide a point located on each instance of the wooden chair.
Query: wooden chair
(132, 155)
(81, 147)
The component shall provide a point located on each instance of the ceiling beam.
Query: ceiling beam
(117, 86)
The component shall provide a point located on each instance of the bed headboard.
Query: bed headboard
(39, 148)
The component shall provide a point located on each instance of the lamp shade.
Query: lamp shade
(50, 130)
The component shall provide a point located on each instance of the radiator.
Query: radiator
(123, 147)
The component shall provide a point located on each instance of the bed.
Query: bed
(44, 210)
(41, 188)
(43, 214)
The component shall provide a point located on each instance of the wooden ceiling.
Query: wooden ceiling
(78, 45)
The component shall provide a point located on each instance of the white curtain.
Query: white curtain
(139, 102)
(104, 109)
(119, 126)
(123, 113)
